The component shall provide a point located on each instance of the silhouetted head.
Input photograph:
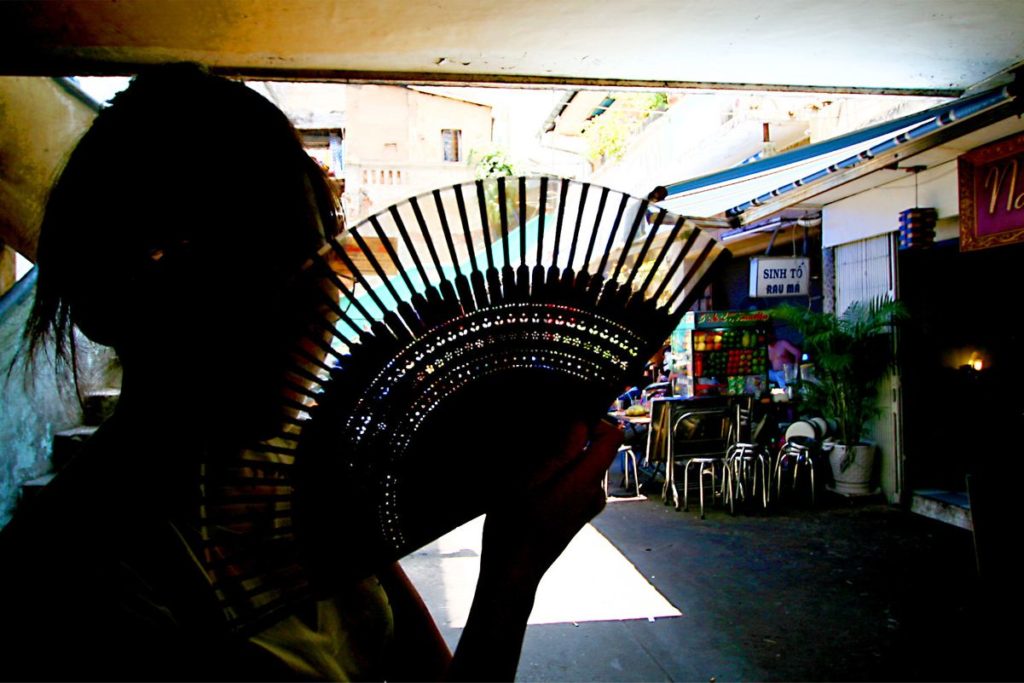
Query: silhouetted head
(176, 229)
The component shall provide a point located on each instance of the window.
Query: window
(451, 142)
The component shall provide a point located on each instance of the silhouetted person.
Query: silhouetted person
(174, 235)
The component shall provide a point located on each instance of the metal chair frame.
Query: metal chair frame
(628, 458)
(800, 453)
(750, 470)
(706, 461)
(748, 461)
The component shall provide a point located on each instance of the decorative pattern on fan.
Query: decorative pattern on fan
(461, 333)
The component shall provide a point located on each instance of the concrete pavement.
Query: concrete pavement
(841, 591)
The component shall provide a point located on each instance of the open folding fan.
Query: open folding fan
(462, 332)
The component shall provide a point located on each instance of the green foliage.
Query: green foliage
(492, 163)
(851, 354)
(608, 135)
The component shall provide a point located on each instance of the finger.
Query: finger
(587, 471)
(604, 444)
(589, 502)
(607, 429)
(562, 456)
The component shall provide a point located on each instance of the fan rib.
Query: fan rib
(593, 233)
(522, 220)
(335, 308)
(413, 251)
(542, 206)
(462, 295)
(305, 375)
(481, 201)
(410, 315)
(658, 220)
(522, 272)
(584, 189)
(360, 279)
(340, 285)
(476, 276)
(445, 229)
(418, 213)
(503, 215)
(563, 192)
(323, 345)
(376, 265)
(304, 391)
(691, 271)
(656, 266)
(690, 239)
(508, 282)
(610, 244)
(641, 211)
(390, 317)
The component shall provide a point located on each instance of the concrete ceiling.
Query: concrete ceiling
(933, 46)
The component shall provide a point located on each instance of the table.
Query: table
(621, 416)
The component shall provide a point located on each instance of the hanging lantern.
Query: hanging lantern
(917, 228)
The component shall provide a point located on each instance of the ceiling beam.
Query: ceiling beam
(61, 65)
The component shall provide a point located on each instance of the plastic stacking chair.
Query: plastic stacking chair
(797, 451)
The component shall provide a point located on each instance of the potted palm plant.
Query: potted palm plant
(851, 354)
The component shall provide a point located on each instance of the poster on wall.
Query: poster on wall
(992, 194)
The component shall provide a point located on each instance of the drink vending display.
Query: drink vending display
(729, 353)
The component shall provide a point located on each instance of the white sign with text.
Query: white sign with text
(779, 276)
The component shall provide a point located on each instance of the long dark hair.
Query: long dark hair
(181, 154)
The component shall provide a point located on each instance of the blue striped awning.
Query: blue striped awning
(735, 190)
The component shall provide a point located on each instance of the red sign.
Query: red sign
(992, 195)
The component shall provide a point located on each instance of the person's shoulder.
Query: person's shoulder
(80, 525)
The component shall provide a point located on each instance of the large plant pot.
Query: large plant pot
(852, 474)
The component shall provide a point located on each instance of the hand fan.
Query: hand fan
(461, 333)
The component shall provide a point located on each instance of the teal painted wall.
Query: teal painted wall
(31, 409)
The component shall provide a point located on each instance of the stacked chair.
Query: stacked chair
(719, 442)
(748, 463)
(698, 439)
(798, 452)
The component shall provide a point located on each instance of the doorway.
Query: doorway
(961, 358)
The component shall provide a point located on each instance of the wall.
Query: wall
(393, 143)
(876, 211)
(7, 268)
(40, 122)
(33, 409)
